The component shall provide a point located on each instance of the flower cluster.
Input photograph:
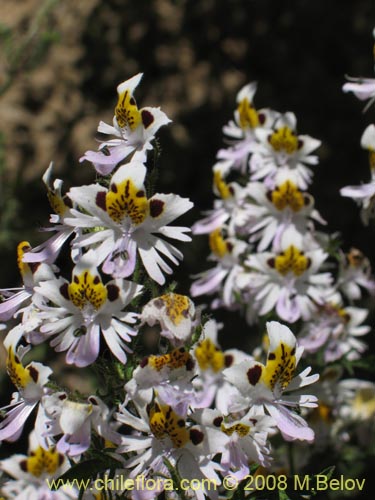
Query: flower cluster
(168, 403)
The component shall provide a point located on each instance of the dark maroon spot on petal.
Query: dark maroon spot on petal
(61, 459)
(105, 150)
(306, 200)
(156, 207)
(293, 351)
(96, 280)
(34, 266)
(228, 360)
(253, 420)
(93, 401)
(64, 291)
(132, 101)
(158, 303)
(140, 194)
(113, 292)
(269, 195)
(217, 421)
(147, 118)
(269, 138)
(144, 362)
(271, 356)
(181, 422)
(114, 188)
(271, 262)
(308, 263)
(62, 397)
(231, 190)
(190, 364)
(196, 436)
(23, 465)
(100, 200)
(76, 279)
(34, 374)
(261, 118)
(300, 143)
(253, 374)
(229, 246)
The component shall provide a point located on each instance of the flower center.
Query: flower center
(85, 289)
(287, 195)
(164, 422)
(284, 139)
(209, 356)
(41, 460)
(248, 115)
(291, 260)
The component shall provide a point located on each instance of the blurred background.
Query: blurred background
(60, 63)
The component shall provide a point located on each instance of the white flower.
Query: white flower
(362, 88)
(288, 281)
(49, 250)
(228, 208)
(73, 422)
(82, 310)
(210, 384)
(282, 155)
(273, 211)
(354, 274)
(364, 194)
(162, 434)
(241, 131)
(262, 387)
(31, 275)
(174, 313)
(226, 252)
(133, 128)
(33, 474)
(247, 440)
(127, 222)
(30, 382)
(337, 330)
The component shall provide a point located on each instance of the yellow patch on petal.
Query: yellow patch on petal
(288, 195)
(280, 366)
(209, 356)
(291, 260)
(126, 200)
(164, 422)
(177, 307)
(87, 288)
(284, 139)
(43, 461)
(174, 359)
(126, 111)
(248, 115)
(371, 159)
(217, 243)
(57, 202)
(24, 268)
(364, 403)
(241, 429)
(20, 376)
(222, 187)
